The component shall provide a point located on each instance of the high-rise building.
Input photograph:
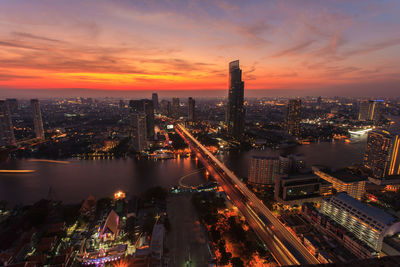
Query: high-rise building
(165, 107)
(121, 104)
(319, 102)
(6, 129)
(146, 106)
(264, 170)
(138, 130)
(37, 119)
(368, 224)
(293, 117)
(175, 107)
(235, 112)
(370, 110)
(12, 105)
(154, 97)
(382, 154)
(191, 109)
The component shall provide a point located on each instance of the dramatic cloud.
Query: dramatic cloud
(187, 44)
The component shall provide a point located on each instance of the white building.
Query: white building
(367, 223)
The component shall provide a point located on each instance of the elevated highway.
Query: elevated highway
(286, 248)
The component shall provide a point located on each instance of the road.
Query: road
(184, 245)
(286, 248)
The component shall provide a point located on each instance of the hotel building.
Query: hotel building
(382, 155)
(264, 170)
(368, 224)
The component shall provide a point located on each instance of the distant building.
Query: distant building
(300, 188)
(343, 181)
(6, 128)
(138, 131)
(37, 119)
(264, 170)
(191, 109)
(121, 104)
(319, 102)
(175, 107)
(368, 224)
(165, 107)
(382, 155)
(235, 113)
(292, 163)
(154, 97)
(12, 105)
(370, 110)
(145, 106)
(293, 117)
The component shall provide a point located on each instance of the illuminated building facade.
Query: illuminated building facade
(138, 131)
(293, 117)
(381, 155)
(343, 181)
(37, 119)
(368, 224)
(6, 128)
(264, 170)
(191, 109)
(145, 106)
(235, 112)
(175, 107)
(370, 110)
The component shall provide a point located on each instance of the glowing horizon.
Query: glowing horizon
(187, 45)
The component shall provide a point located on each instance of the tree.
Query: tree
(225, 258)
(237, 262)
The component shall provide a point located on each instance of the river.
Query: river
(77, 180)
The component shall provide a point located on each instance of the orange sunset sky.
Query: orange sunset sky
(155, 45)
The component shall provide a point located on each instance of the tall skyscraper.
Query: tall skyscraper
(191, 109)
(382, 154)
(293, 117)
(370, 110)
(264, 170)
(154, 97)
(235, 112)
(145, 106)
(37, 119)
(6, 129)
(175, 107)
(138, 130)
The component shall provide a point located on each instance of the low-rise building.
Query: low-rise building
(368, 224)
(300, 188)
(343, 181)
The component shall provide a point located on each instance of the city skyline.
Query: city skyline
(342, 48)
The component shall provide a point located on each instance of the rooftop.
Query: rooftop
(373, 212)
(344, 175)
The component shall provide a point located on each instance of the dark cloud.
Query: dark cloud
(13, 44)
(292, 50)
(32, 36)
(8, 77)
(369, 48)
